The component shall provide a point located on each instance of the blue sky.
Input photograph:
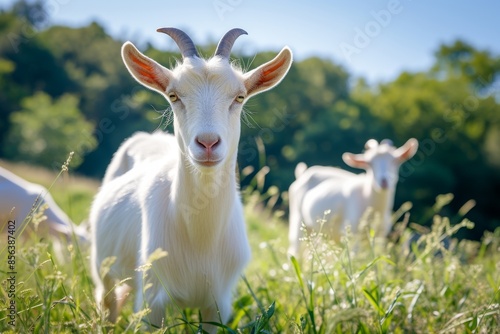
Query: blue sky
(375, 39)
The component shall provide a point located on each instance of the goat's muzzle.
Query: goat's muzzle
(207, 153)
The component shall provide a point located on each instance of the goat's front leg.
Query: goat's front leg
(146, 298)
(106, 295)
(216, 313)
(149, 289)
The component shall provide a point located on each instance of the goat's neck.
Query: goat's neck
(204, 201)
(381, 200)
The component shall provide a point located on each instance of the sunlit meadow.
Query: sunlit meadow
(433, 284)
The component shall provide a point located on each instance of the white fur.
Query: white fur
(346, 195)
(141, 148)
(179, 192)
(17, 197)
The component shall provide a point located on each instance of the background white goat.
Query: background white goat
(347, 195)
(185, 200)
(17, 197)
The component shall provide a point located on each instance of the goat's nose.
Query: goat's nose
(208, 141)
(384, 184)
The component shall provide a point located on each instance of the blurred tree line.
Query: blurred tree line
(64, 89)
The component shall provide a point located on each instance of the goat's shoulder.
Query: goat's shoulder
(156, 179)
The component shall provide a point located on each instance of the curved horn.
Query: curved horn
(371, 143)
(226, 43)
(183, 41)
(387, 142)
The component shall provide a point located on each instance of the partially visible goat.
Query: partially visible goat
(184, 198)
(17, 197)
(347, 195)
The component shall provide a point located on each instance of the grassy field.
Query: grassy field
(378, 289)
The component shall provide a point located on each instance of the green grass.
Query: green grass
(378, 289)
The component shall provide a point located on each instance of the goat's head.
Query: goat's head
(383, 160)
(206, 96)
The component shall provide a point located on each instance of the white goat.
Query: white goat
(347, 196)
(184, 200)
(17, 197)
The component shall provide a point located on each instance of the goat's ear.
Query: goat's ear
(270, 74)
(144, 69)
(355, 160)
(407, 151)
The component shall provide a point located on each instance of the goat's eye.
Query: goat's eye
(240, 98)
(172, 97)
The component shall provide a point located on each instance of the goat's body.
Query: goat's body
(308, 178)
(158, 198)
(17, 199)
(347, 199)
(335, 197)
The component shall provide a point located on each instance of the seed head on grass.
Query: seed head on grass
(65, 165)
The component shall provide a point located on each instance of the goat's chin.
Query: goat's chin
(206, 164)
(206, 161)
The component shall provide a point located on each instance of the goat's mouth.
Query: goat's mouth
(208, 163)
(205, 158)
